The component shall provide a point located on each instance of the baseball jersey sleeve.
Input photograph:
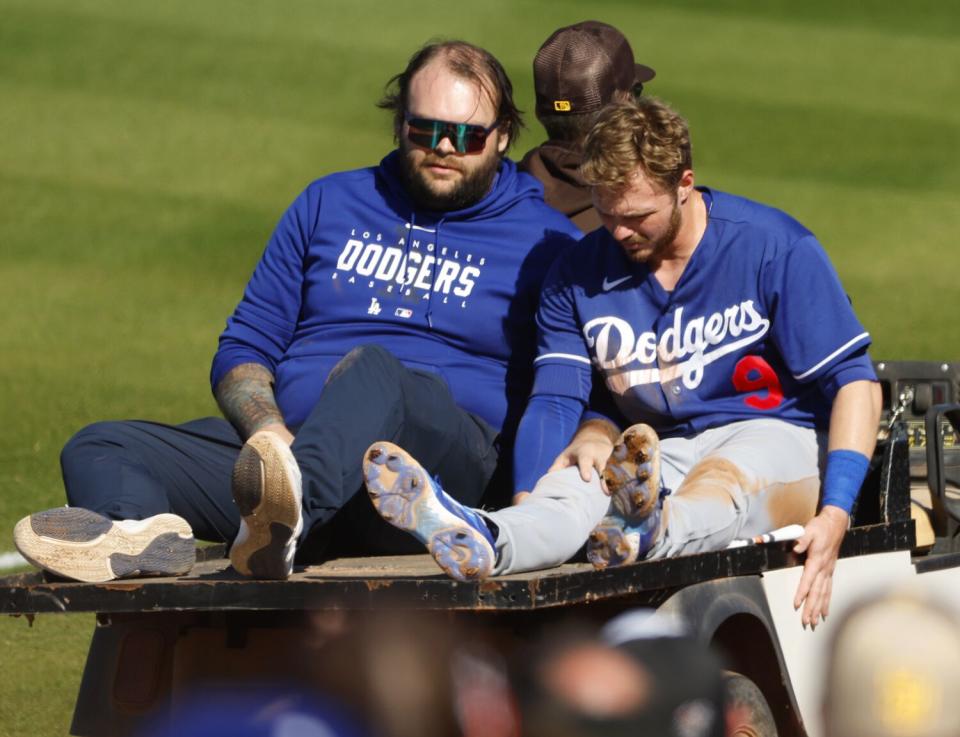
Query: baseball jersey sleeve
(855, 367)
(562, 366)
(813, 324)
(548, 424)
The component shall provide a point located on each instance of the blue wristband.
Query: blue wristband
(846, 470)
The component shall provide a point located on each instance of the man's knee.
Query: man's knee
(363, 358)
(99, 438)
(565, 483)
(566, 488)
(93, 446)
(716, 476)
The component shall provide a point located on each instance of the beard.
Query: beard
(651, 249)
(472, 186)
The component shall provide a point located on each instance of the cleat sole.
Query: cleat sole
(402, 493)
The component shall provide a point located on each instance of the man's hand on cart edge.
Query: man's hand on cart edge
(821, 542)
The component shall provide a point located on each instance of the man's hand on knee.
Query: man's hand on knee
(821, 542)
(589, 449)
(586, 455)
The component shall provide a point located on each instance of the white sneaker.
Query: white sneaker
(76, 543)
(267, 488)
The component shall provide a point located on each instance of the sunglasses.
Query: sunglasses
(466, 138)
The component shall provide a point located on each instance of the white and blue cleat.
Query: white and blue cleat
(632, 478)
(403, 494)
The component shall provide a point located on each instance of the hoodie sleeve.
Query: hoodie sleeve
(262, 325)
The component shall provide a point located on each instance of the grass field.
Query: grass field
(147, 149)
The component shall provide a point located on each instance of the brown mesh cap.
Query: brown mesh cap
(579, 67)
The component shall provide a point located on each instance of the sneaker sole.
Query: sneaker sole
(403, 495)
(266, 488)
(85, 546)
(632, 473)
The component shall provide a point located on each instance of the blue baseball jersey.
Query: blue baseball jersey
(757, 326)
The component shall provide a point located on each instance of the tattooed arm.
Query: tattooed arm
(245, 396)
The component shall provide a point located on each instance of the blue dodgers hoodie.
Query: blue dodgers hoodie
(354, 262)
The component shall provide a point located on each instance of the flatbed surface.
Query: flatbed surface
(414, 581)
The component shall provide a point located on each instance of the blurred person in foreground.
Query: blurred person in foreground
(729, 356)
(577, 70)
(574, 684)
(256, 710)
(686, 672)
(394, 301)
(894, 667)
(414, 673)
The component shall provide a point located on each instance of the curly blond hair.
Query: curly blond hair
(645, 133)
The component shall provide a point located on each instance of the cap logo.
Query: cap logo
(561, 106)
(908, 700)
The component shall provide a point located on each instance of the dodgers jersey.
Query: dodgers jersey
(757, 326)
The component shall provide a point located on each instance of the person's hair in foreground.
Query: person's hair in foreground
(645, 133)
(467, 61)
(573, 683)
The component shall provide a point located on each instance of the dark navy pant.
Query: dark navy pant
(135, 469)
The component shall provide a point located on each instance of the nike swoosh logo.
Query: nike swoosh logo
(608, 285)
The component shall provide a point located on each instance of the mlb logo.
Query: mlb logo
(403, 312)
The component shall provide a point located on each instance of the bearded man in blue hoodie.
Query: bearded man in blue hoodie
(394, 301)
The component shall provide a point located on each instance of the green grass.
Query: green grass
(42, 663)
(147, 149)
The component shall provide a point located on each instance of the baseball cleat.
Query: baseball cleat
(632, 478)
(267, 488)
(85, 546)
(405, 496)
(632, 473)
(618, 542)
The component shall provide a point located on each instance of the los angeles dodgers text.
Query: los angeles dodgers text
(417, 265)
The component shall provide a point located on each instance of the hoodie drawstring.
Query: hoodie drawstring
(433, 274)
(411, 226)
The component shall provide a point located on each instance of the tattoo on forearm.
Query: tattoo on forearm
(245, 396)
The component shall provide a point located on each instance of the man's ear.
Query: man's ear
(686, 185)
(503, 140)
